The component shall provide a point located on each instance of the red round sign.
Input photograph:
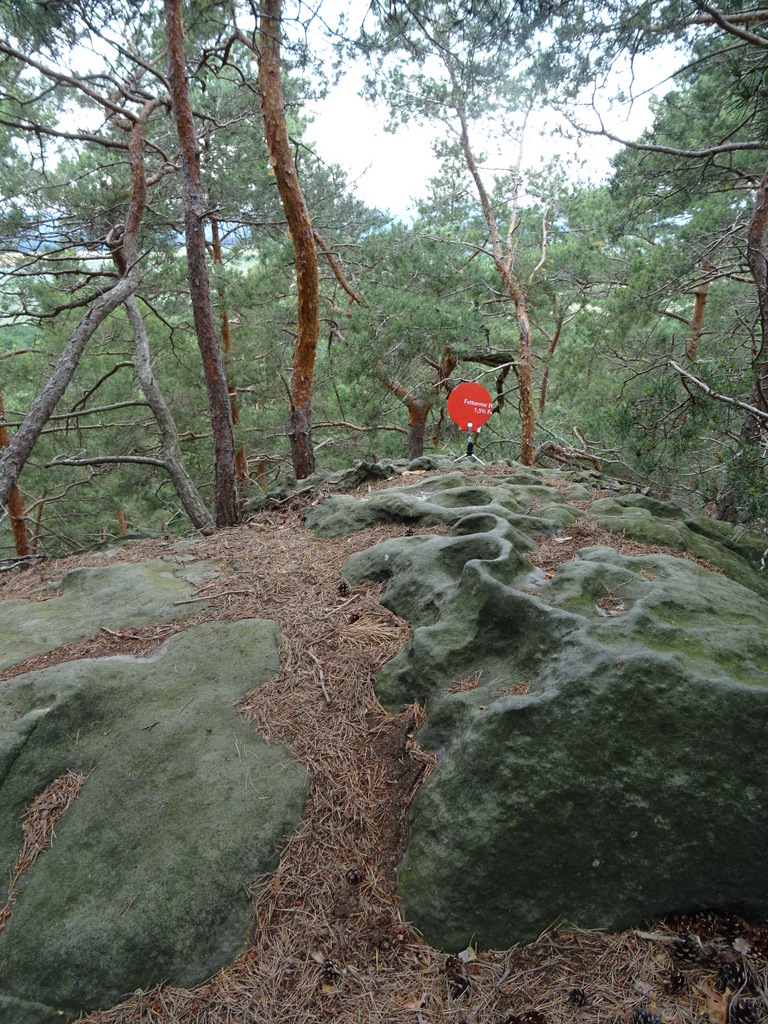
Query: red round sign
(470, 405)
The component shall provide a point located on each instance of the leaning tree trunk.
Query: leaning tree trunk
(124, 253)
(225, 492)
(300, 225)
(418, 411)
(512, 286)
(14, 457)
(169, 435)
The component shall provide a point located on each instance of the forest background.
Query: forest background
(193, 303)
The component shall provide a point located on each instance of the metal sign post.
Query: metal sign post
(469, 406)
(470, 454)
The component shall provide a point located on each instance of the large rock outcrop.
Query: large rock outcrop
(601, 734)
(184, 806)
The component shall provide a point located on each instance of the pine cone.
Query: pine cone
(456, 976)
(745, 1011)
(731, 926)
(735, 975)
(332, 969)
(758, 939)
(704, 924)
(642, 1015)
(528, 1017)
(686, 952)
(577, 996)
(673, 980)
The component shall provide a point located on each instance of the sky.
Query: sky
(390, 170)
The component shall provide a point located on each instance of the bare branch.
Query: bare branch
(335, 265)
(101, 460)
(711, 393)
(730, 26)
(97, 385)
(41, 129)
(688, 154)
(541, 262)
(21, 351)
(64, 79)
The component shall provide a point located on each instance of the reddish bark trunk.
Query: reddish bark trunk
(17, 510)
(225, 495)
(418, 410)
(697, 320)
(300, 225)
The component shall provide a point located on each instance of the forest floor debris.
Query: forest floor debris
(328, 941)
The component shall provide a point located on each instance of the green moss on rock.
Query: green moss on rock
(604, 759)
(109, 596)
(183, 807)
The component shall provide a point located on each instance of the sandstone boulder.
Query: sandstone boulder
(600, 734)
(183, 807)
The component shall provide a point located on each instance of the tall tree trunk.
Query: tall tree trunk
(525, 379)
(16, 507)
(757, 257)
(241, 460)
(300, 225)
(751, 428)
(512, 285)
(225, 493)
(697, 320)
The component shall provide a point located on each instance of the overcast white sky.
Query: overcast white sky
(390, 170)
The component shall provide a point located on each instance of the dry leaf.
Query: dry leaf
(416, 1003)
(717, 1004)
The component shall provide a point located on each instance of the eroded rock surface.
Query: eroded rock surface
(183, 807)
(88, 599)
(601, 734)
(525, 501)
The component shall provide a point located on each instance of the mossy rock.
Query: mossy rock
(443, 500)
(184, 806)
(87, 600)
(601, 742)
(729, 547)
